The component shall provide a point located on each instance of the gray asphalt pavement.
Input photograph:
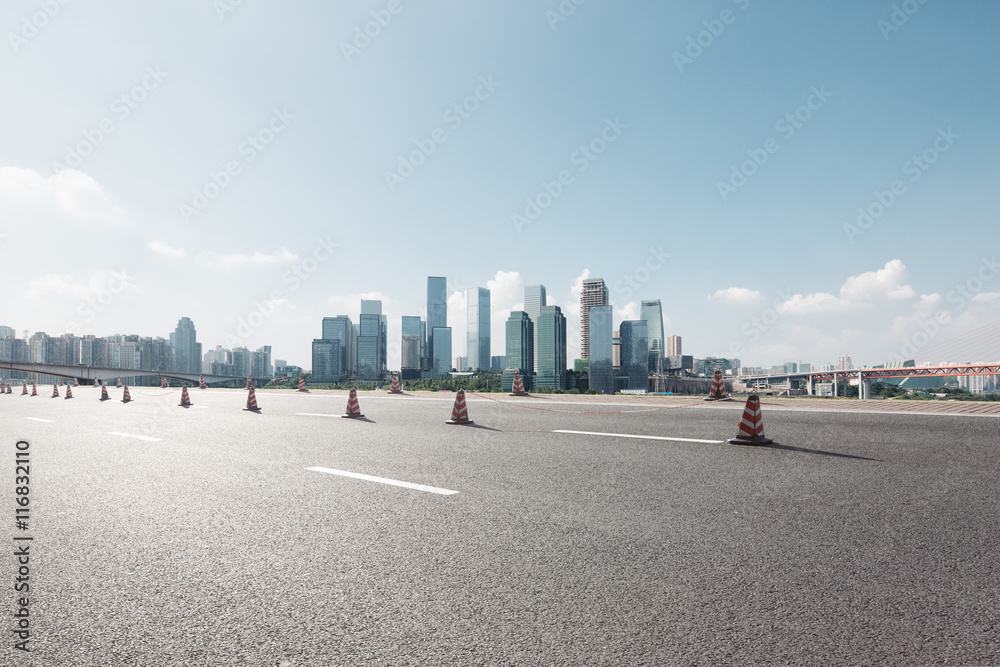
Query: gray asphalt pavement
(857, 539)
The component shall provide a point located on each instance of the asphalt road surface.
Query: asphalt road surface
(210, 535)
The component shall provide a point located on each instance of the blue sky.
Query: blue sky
(766, 271)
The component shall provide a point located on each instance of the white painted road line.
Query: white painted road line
(643, 437)
(314, 414)
(137, 437)
(38, 419)
(383, 480)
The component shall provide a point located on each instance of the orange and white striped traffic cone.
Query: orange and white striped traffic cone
(396, 388)
(718, 391)
(353, 409)
(459, 413)
(201, 382)
(119, 382)
(185, 399)
(76, 383)
(163, 382)
(55, 391)
(302, 384)
(251, 402)
(69, 391)
(126, 397)
(249, 383)
(518, 388)
(751, 427)
(24, 390)
(34, 390)
(104, 393)
(60, 382)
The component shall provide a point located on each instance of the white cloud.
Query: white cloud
(71, 191)
(986, 297)
(861, 292)
(736, 295)
(630, 311)
(161, 248)
(239, 260)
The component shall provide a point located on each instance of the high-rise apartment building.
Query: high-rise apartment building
(437, 309)
(673, 346)
(187, 350)
(601, 342)
(844, 363)
(635, 353)
(550, 337)
(595, 293)
(534, 301)
(478, 331)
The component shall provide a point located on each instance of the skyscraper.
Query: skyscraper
(478, 332)
(520, 349)
(437, 309)
(551, 342)
(595, 293)
(326, 358)
(442, 352)
(410, 345)
(370, 340)
(673, 348)
(341, 328)
(652, 313)
(187, 350)
(601, 362)
(635, 353)
(534, 301)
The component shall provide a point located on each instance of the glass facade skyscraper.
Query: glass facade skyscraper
(652, 314)
(370, 341)
(635, 353)
(601, 340)
(520, 349)
(534, 301)
(341, 328)
(326, 360)
(410, 347)
(551, 341)
(437, 309)
(187, 350)
(442, 352)
(478, 332)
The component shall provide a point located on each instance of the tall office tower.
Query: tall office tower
(520, 334)
(442, 352)
(187, 350)
(409, 349)
(601, 362)
(844, 363)
(616, 349)
(595, 293)
(326, 358)
(534, 301)
(478, 332)
(498, 362)
(370, 340)
(673, 346)
(551, 341)
(6, 332)
(437, 309)
(635, 353)
(260, 362)
(652, 313)
(341, 328)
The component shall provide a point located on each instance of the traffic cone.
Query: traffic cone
(249, 384)
(518, 388)
(69, 391)
(201, 382)
(353, 409)
(60, 382)
(459, 413)
(163, 382)
(34, 391)
(185, 399)
(76, 382)
(302, 384)
(55, 391)
(751, 427)
(251, 402)
(24, 390)
(396, 388)
(718, 391)
(126, 398)
(104, 393)
(119, 382)
(8, 388)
